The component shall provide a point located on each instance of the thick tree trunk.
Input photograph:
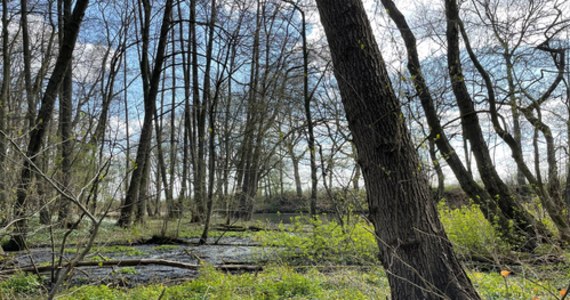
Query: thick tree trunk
(414, 249)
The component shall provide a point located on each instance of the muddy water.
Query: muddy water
(230, 250)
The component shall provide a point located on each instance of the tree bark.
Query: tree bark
(414, 249)
(491, 210)
(199, 126)
(524, 224)
(31, 112)
(210, 104)
(4, 102)
(65, 114)
(150, 86)
(71, 31)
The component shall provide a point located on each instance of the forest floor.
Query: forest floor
(298, 259)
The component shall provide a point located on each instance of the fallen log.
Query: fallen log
(134, 263)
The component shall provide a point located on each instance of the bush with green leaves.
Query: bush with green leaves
(19, 285)
(318, 241)
(469, 231)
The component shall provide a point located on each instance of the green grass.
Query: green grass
(470, 233)
(314, 241)
(277, 282)
(285, 282)
(315, 259)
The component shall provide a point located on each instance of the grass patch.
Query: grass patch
(277, 282)
(166, 247)
(126, 271)
(125, 250)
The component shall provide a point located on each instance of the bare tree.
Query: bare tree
(151, 79)
(71, 31)
(390, 164)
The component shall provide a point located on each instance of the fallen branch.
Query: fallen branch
(133, 263)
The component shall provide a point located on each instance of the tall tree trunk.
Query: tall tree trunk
(184, 188)
(523, 223)
(143, 207)
(162, 168)
(517, 132)
(174, 210)
(199, 126)
(150, 87)
(4, 102)
(65, 114)
(246, 173)
(30, 99)
(37, 134)
(491, 210)
(414, 249)
(310, 127)
(567, 186)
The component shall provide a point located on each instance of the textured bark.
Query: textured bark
(414, 249)
(65, 115)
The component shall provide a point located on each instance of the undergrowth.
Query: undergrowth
(320, 259)
(276, 282)
(316, 241)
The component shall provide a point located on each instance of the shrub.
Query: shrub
(19, 284)
(469, 231)
(315, 241)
